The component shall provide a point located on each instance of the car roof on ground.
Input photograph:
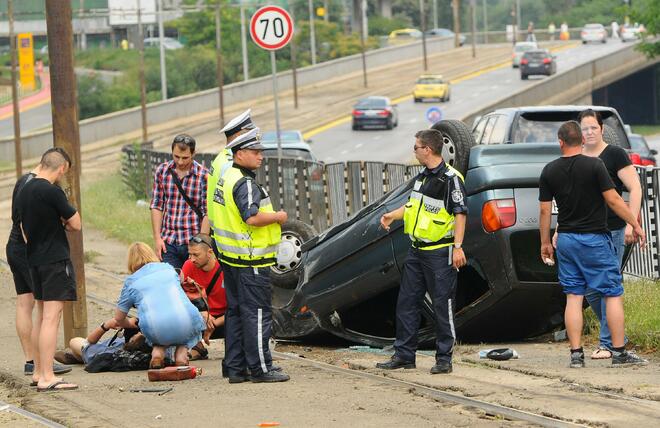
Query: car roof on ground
(541, 109)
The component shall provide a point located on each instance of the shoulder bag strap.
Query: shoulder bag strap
(209, 288)
(177, 182)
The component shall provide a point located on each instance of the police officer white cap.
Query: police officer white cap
(237, 124)
(249, 140)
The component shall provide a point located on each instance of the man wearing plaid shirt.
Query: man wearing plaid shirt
(173, 220)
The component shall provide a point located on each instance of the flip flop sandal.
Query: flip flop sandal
(53, 387)
(201, 353)
(601, 354)
(34, 383)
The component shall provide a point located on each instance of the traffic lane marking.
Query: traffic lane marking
(471, 75)
(27, 108)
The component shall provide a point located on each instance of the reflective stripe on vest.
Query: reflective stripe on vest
(426, 219)
(240, 244)
(220, 164)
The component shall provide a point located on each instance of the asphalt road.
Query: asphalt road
(31, 120)
(341, 143)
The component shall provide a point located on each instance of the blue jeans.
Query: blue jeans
(176, 255)
(596, 300)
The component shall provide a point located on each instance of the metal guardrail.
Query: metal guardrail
(315, 193)
(643, 262)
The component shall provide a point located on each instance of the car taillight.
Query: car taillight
(498, 214)
(635, 158)
(547, 60)
(648, 162)
(584, 33)
(524, 61)
(385, 112)
(358, 112)
(513, 55)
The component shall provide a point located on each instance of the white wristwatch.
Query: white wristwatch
(458, 244)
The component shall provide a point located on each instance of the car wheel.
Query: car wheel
(610, 136)
(389, 124)
(584, 42)
(286, 271)
(355, 127)
(524, 76)
(416, 100)
(458, 141)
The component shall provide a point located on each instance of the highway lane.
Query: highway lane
(33, 119)
(341, 143)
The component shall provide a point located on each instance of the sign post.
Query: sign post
(26, 61)
(271, 28)
(434, 115)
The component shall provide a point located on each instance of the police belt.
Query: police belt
(248, 262)
(420, 244)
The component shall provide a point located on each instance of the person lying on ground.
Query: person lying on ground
(167, 318)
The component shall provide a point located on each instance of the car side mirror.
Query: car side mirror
(654, 152)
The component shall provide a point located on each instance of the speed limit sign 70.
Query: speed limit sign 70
(271, 27)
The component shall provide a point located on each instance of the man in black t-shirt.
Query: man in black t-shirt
(582, 188)
(45, 215)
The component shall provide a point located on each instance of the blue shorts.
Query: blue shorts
(588, 260)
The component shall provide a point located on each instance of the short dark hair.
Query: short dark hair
(184, 141)
(591, 113)
(570, 133)
(54, 158)
(431, 138)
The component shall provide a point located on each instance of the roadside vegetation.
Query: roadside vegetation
(646, 129)
(642, 308)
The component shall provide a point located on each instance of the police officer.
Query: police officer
(247, 233)
(235, 127)
(434, 218)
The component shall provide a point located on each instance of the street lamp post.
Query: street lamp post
(244, 45)
(312, 35)
(422, 17)
(18, 157)
(161, 39)
(219, 72)
(143, 86)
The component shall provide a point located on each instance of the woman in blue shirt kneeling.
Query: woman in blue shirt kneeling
(166, 316)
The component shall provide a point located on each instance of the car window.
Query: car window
(535, 55)
(638, 145)
(498, 131)
(289, 153)
(284, 136)
(371, 103)
(488, 129)
(429, 81)
(479, 129)
(523, 48)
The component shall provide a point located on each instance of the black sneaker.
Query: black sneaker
(627, 358)
(271, 376)
(58, 368)
(441, 367)
(240, 377)
(396, 363)
(577, 360)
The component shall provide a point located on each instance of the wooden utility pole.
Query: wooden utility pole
(473, 23)
(456, 7)
(363, 36)
(422, 17)
(220, 77)
(294, 64)
(66, 135)
(18, 157)
(143, 86)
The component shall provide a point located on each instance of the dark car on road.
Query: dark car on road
(641, 153)
(537, 62)
(345, 280)
(375, 112)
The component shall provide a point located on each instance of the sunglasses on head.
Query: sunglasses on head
(184, 139)
(201, 240)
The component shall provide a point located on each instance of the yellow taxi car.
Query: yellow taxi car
(403, 36)
(431, 86)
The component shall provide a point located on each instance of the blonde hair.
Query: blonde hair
(139, 254)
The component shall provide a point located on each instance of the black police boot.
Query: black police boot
(271, 376)
(441, 367)
(396, 363)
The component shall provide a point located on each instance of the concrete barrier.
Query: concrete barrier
(125, 121)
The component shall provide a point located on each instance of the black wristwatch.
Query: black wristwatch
(103, 327)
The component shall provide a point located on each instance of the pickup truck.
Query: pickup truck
(347, 279)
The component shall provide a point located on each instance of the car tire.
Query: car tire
(355, 127)
(458, 141)
(416, 100)
(286, 272)
(584, 42)
(389, 124)
(524, 76)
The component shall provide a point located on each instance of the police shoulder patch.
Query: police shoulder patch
(457, 196)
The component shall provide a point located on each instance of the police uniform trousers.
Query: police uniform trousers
(426, 271)
(248, 319)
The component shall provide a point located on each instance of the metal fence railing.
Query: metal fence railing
(317, 194)
(643, 262)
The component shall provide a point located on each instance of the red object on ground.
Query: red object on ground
(174, 373)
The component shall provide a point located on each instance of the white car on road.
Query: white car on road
(594, 33)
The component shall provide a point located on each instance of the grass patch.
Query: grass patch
(109, 207)
(91, 255)
(642, 308)
(646, 129)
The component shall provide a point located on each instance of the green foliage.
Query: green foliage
(379, 26)
(135, 172)
(647, 12)
(109, 208)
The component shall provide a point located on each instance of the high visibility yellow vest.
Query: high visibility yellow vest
(426, 220)
(240, 244)
(220, 164)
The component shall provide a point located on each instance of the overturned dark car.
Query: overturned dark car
(345, 280)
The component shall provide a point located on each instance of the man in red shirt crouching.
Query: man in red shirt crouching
(201, 273)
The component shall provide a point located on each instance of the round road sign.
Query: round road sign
(433, 115)
(271, 27)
